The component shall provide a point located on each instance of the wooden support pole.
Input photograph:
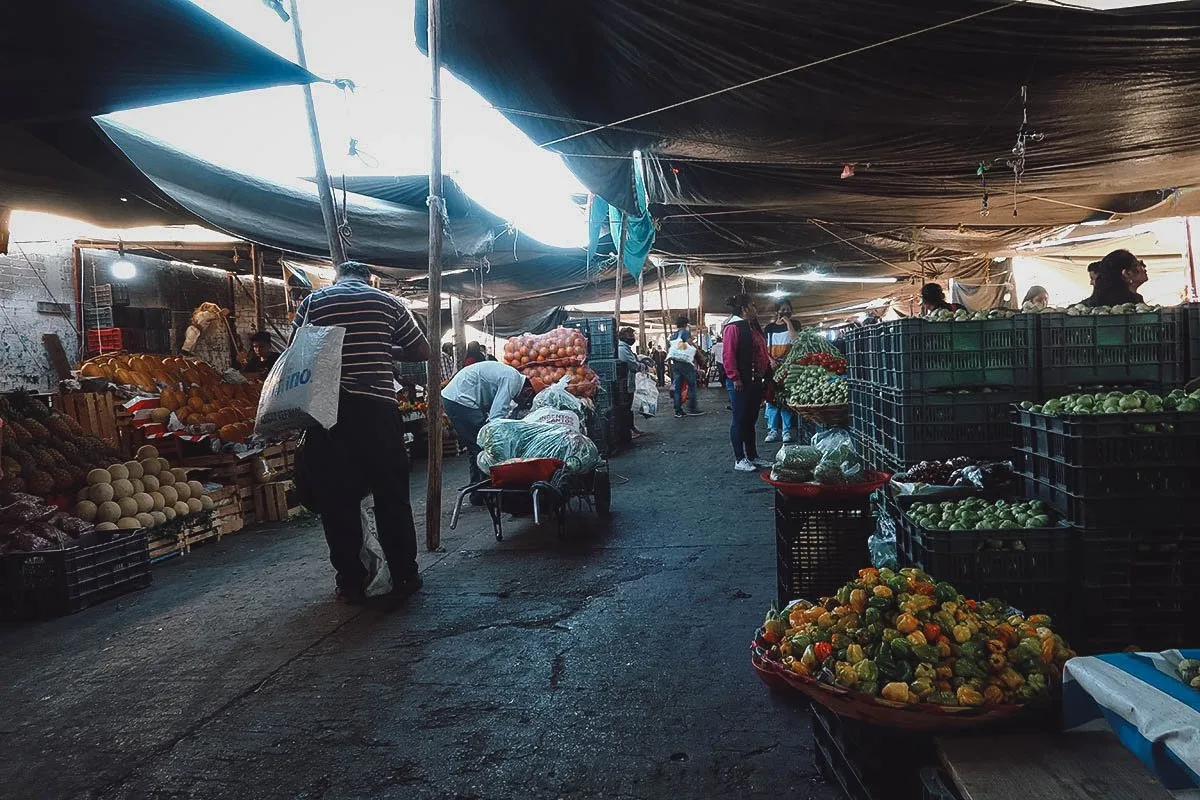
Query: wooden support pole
(337, 250)
(662, 302)
(700, 304)
(621, 266)
(433, 391)
(260, 316)
(642, 310)
(460, 331)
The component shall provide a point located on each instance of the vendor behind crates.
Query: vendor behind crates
(364, 452)
(479, 393)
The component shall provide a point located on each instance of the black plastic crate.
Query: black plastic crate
(158, 318)
(50, 583)
(158, 341)
(601, 333)
(916, 354)
(129, 317)
(819, 543)
(1147, 617)
(1030, 569)
(862, 354)
(98, 317)
(1191, 324)
(1146, 350)
(862, 410)
(868, 762)
(917, 426)
(1130, 510)
(1166, 439)
(600, 431)
(606, 396)
(1150, 555)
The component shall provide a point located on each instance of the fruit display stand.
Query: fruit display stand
(241, 471)
(100, 414)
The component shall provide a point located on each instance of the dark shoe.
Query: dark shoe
(678, 415)
(402, 590)
(696, 413)
(350, 597)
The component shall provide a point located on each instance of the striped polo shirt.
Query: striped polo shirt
(376, 323)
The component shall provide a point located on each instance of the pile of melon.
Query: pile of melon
(189, 387)
(141, 493)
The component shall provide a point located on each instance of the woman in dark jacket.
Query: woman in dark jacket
(1118, 275)
(747, 363)
(474, 354)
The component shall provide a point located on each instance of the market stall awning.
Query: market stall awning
(906, 101)
(69, 59)
(287, 216)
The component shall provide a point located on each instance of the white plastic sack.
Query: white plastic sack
(301, 390)
(371, 554)
(645, 395)
(554, 416)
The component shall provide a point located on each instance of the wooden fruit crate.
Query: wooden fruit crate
(198, 530)
(227, 510)
(100, 414)
(164, 545)
(275, 501)
(231, 471)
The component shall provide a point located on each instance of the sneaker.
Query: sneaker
(402, 590)
(350, 597)
(763, 463)
(696, 413)
(745, 466)
(788, 437)
(772, 436)
(678, 415)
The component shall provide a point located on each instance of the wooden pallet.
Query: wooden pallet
(101, 415)
(275, 501)
(228, 469)
(164, 546)
(227, 510)
(202, 529)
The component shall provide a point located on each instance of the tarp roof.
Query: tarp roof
(80, 58)
(858, 83)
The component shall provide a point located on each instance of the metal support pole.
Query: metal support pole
(256, 273)
(433, 392)
(337, 250)
(642, 310)
(662, 302)
(460, 331)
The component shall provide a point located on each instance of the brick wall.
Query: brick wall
(34, 272)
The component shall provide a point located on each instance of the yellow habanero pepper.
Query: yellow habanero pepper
(858, 600)
(897, 692)
(993, 695)
(968, 697)
(882, 591)
(907, 623)
(855, 654)
(962, 633)
(916, 638)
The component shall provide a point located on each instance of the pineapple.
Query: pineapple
(62, 480)
(44, 456)
(12, 484)
(17, 432)
(37, 430)
(40, 483)
(10, 466)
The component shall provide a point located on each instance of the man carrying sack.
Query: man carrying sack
(364, 451)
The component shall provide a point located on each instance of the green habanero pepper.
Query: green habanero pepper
(925, 652)
(898, 584)
(855, 654)
(877, 602)
(942, 698)
(966, 668)
(901, 648)
(872, 615)
(925, 672)
(944, 592)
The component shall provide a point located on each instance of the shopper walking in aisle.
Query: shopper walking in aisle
(682, 355)
(476, 395)
(747, 363)
(660, 364)
(448, 365)
(364, 452)
(780, 334)
(626, 339)
(682, 331)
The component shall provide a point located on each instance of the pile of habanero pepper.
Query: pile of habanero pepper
(904, 637)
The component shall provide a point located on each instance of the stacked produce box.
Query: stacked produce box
(1123, 470)
(923, 390)
(612, 424)
(112, 324)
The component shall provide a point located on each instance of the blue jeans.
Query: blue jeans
(466, 423)
(775, 414)
(745, 403)
(683, 373)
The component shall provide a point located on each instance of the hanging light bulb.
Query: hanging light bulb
(778, 293)
(123, 269)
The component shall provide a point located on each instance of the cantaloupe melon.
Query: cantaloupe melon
(128, 523)
(195, 506)
(157, 501)
(107, 526)
(147, 451)
(108, 512)
(169, 495)
(197, 488)
(83, 493)
(119, 472)
(138, 486)
(101, 492)
(151, 467)
(181, 509)
(99, 476)
(180, 474)
(145, 520)
(128, 505)
(165, 478)
(122, 487)
(183, 490)
(86, 510)
(150, 483)
(163, 464)
(145, 503)
(206, 503)
(135, 469)
(159, 517)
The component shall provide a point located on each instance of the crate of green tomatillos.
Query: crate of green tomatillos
(1122, 345)
(1017, 550)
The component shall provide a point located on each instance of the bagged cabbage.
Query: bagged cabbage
(502, 440)
(794, 463)
(839, 462)
(557, 397)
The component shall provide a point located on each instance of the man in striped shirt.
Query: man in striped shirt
(364, 452)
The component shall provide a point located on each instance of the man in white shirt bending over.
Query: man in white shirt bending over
(478, 394)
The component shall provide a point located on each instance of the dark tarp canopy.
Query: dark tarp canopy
(68, 59)
(412, 191)
(1114, 98)
(286, 216)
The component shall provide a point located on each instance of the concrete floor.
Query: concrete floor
(610, 665)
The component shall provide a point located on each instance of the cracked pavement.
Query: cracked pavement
(611, 664)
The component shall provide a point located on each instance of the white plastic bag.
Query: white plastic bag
(645, 395)
(301, 390)
(554, 416)
(557, 397)
(371, 554)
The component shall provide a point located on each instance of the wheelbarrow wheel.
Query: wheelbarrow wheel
(602, 489)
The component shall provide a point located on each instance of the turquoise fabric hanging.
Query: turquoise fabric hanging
(640, 238)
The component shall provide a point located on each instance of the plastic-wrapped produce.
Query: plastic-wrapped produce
(839, 462)
(502, 440)
(557, 397)
(794, 463)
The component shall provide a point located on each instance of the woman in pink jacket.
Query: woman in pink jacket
(747, 363)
